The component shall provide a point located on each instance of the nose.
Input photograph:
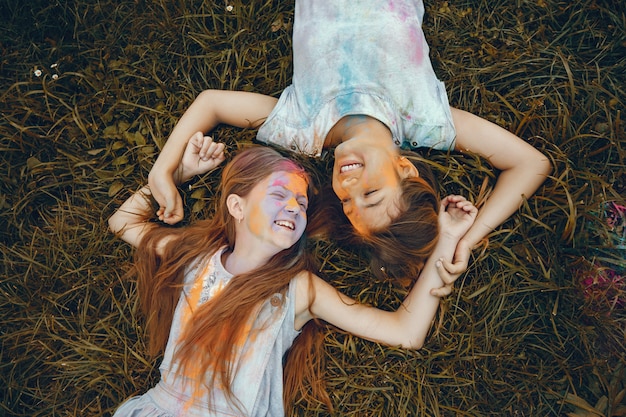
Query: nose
(292, 206)
(348, 182)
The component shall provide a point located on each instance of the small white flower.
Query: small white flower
(54, 65)
(229, 8)
(55, 76)
(38, 72)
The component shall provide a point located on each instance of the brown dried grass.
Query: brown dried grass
(519, 337)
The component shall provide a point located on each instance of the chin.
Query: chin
(283, 244)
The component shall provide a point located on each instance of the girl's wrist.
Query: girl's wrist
(446, 239)
(445, 247)
(180, 177)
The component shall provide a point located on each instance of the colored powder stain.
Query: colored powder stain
(400, 10)
(193, 297)
(257, 219)
(345, 102)
(416, 39)
(279, 182)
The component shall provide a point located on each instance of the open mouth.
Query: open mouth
(284, 223)
(350, 167)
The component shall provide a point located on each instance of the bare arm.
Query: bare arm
(523, 169)
(409, 325)
(129, 221)
(210, 108)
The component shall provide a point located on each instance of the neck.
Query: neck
(349, 127)
(242, 260)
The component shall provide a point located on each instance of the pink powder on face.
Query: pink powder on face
(279, 182)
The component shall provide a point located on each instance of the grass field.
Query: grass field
(90, 90)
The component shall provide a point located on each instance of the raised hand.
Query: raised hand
(201, 155)
(456, 216)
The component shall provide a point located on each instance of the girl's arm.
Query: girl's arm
(129, 221)
(210, 108)
(409, 325)
(523, 169)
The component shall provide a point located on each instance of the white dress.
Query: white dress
(258, 383)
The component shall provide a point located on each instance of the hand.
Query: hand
(447, 278)
(449, 272)
(201, 155)
(456, 216)
(166, 194)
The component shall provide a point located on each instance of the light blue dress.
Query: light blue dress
(366, 57)
(258, 383)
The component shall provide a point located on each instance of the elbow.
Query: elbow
(535, 167)
(416, 343)
(416, 338)
(544, 166)
(113, 226)
(117, 223)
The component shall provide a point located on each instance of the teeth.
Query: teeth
(350, 167)
(285, 223)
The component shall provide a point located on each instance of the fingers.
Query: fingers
(446, 276)
(453, 198)
(455, 268)
(447, 279)
(197, 140)
(209, 149)
(467, 207)
(458, 201)
(173, 211)
(441, 292)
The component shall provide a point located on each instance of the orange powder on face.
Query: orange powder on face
(258, 218)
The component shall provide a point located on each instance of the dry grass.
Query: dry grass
(537, 324)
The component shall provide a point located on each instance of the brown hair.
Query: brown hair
(401, 249)
(217, 325)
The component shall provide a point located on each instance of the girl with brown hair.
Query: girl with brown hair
(226, 298)
(363, 85)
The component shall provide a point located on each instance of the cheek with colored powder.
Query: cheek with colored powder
(260, 216)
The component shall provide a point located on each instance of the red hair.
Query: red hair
(219, 324)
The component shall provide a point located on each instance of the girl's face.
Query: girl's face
(275, 210)
(367, 179)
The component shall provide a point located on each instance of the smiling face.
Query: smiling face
(367, 179)
(275, 210)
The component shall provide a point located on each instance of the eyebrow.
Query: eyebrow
(376, 203)
(296, 194)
